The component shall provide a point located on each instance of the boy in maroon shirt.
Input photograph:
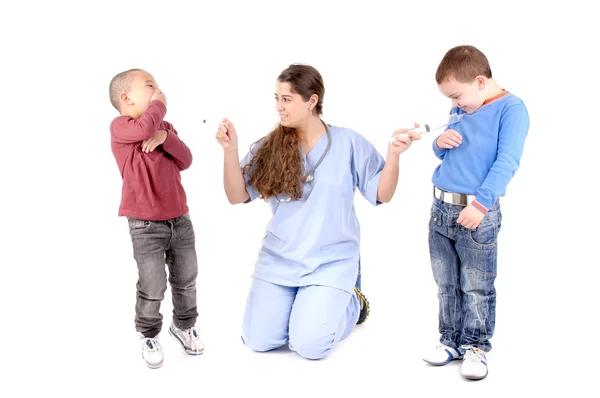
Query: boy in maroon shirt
(150, 157)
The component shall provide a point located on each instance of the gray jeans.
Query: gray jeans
(156, 243)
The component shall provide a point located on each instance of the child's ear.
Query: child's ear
(125, 98)
(481, 82)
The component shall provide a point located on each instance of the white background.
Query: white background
(68, 274)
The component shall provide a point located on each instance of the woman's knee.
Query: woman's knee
(311, 344)
(260, 340)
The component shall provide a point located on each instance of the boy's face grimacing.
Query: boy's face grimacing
(140, 92)
(467, 96)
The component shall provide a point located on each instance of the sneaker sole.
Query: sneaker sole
(158, 365)
(153, 366)
(475, 377)
(442, 363)
(187, 351)
(363, 317)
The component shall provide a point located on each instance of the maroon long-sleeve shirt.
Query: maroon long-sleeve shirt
(152, 187)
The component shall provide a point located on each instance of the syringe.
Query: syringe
(454, 118)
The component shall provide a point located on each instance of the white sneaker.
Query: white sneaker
(474, 365)
(443, 355)
(152, 352)
(188, 338)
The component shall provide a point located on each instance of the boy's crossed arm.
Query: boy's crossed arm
(157, 139)
(171, 144)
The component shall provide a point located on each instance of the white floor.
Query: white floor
(68, 310)
(89, 348)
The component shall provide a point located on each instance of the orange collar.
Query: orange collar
(487, 101)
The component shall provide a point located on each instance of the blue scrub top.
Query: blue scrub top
(315, 240)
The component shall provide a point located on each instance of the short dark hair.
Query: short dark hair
(464, 64)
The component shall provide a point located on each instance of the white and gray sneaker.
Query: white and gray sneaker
(443, 355)
(151, 352)
(188, 338)
(474, 365)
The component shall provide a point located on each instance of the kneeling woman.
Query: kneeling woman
(305, 288)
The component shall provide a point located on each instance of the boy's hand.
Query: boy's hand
(157, 139)
(470, 217)
(159, 95)
(227, 136)
(403, 142)
(449, 139)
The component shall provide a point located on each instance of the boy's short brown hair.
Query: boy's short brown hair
(464, 64)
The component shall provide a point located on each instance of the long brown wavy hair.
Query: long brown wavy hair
(277, 166)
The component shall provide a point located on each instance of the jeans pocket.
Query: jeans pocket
(137, 224)
(435, 218)
(484, 236)
(481, 272)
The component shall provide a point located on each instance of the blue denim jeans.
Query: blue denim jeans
(156, 243)
(464, 267)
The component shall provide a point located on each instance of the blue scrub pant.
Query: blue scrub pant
(310, 319)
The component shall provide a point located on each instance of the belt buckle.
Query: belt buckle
(441, 197)
(453, 198)
(459, 199)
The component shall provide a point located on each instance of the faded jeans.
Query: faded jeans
(156, 243)
(464, 267)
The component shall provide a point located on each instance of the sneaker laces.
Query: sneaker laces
(191, 334)
(474, 353)
(194, 333)
(151, 345)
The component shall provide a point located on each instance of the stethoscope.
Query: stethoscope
(311, 174)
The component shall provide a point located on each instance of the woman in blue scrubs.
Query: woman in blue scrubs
(305, 288)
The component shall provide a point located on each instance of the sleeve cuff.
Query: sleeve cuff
(168, 141)
(372, 190)
(436, 149)
(252, 192)
(480, 207)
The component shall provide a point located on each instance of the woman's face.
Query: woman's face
(293, 110)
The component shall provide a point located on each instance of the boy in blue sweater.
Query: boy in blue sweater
(479, 155)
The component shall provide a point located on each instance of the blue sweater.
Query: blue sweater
(493, 138)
